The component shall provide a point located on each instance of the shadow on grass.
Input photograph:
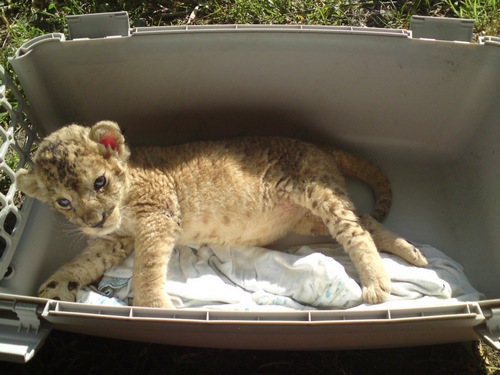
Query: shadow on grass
(68, 353)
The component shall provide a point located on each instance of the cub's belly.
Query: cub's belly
(243, 228)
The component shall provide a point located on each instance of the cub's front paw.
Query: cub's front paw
(59, 288)
(153, 300)
(377, 290)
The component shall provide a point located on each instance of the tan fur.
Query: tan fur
(248, 191)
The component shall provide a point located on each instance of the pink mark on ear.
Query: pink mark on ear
(109, 141)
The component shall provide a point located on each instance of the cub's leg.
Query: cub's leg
(87, 267)
(157, 233)
(385, 240)
(327, 199)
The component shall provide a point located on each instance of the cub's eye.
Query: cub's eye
(99, 183)
(64, 203)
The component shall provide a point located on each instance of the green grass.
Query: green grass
(23, 20)
(486, 14)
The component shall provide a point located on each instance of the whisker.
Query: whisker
(67, 230)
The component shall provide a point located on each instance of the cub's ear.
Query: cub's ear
(110, 139)
(29, 184)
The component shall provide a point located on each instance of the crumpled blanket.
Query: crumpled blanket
(303, 278)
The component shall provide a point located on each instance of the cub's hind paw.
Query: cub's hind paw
(402, 248)
(411, 254)
(389, 242)
(58, 289)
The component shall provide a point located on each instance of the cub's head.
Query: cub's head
(81, 172)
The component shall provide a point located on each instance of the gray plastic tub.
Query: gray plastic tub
(427, 111)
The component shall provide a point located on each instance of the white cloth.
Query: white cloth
(309, 277)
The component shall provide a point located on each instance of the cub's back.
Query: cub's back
(228, 190)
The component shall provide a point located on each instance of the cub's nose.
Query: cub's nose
(96, 220)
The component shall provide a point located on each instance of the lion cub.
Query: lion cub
(248, 191)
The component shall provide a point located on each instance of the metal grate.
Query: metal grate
(17, 142)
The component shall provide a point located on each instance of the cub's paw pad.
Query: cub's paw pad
(59, 290)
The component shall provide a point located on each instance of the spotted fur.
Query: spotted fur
(248, 191)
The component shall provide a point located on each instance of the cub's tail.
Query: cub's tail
(364, 170)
